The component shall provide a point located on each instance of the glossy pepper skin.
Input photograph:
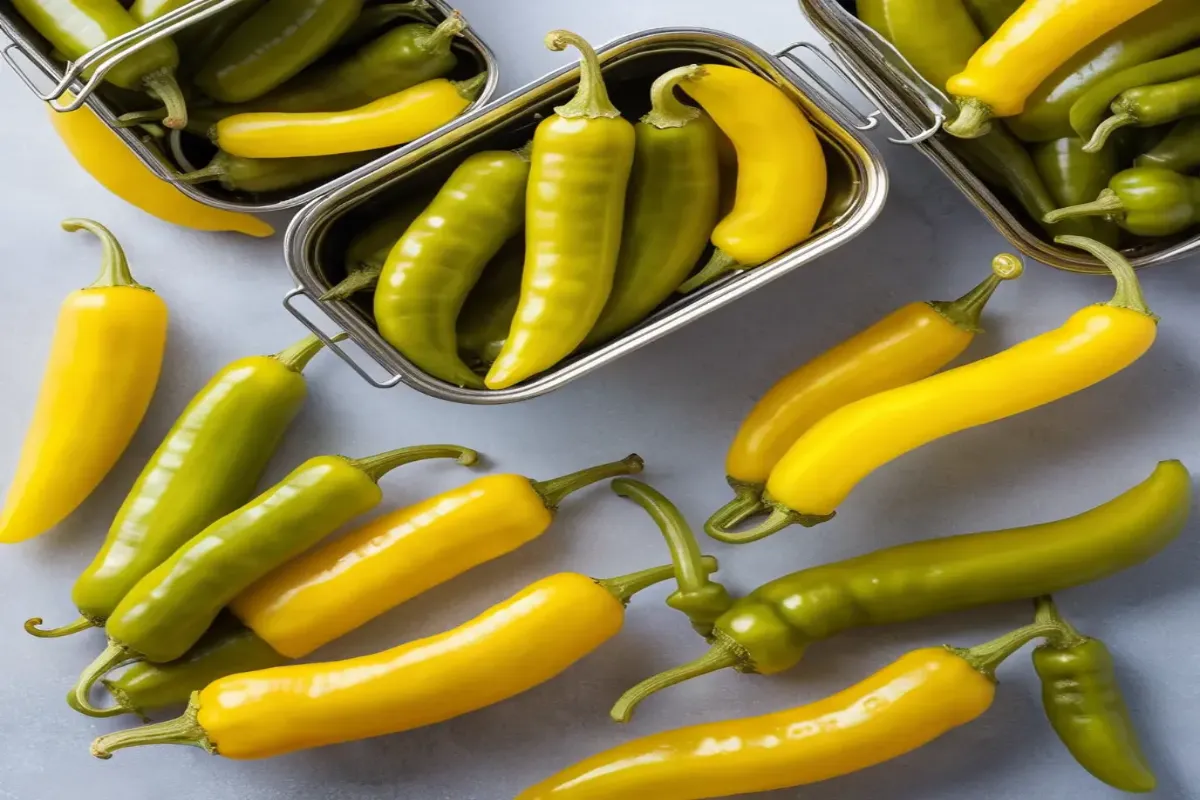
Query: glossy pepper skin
(390, 121)
(1074, 176)
(174, 604)
(1083, 702)
(207, 466)
(432, 268)
(781, 173)
(907, 345)
(670, 211)
(275, 43)
(330, 591)
(368, 251)
(1178, 151)
(104, 363)
(1090, 110)
(574, 216)
(1151, 106)
(1030, 45)
(769, 630)
(1146, 201)
(510, 648)
(375, 18)
(488, 313)
(265, 175)
(990, 15)
(199, 40)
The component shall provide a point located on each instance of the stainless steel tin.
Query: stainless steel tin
(28, 51)
(317, 236)
(913, 106)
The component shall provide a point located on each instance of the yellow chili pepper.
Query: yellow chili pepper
(909, 344)
(825, 464)
(104, 364)
(106, 158)
(390, 121)
(781, 173)
(331, 591)
(510, 648)
(1035, 41)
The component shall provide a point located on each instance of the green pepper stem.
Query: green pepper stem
(554, 491)
(1108, 202)
(162, 84)
(1046, 611)
(779, 518)
(439, 39)
(974, 119)
(297, 356)
(357, 280)
(1106, 129)
(591, 99)
(625, 587)
(212, 172)
(722, 655)
(112, 657)
(1129, 289)
(720, 264)
(377, 466)
(747, 502)
(114, 266)
(136, 118)
(985, 658)
(81, 624)
(183, 730)
(966, 311)
(666, 109)
(119, 696)
(471, 87)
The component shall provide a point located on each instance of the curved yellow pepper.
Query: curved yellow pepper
(390, 121)
(107, 159)
(104, 364)
(1036, 40)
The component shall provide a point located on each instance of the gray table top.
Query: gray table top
(677, 403)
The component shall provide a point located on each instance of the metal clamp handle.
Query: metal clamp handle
(393, 379)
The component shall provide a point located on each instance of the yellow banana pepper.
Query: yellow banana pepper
(1035, 41)
(104, 364)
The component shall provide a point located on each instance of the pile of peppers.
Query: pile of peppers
(1083, 113)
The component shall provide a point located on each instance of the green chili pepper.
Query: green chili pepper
(199, 40)
(582, 157)
(169, 609)
(989, 15)
(1160, 30)
(1073, 176)
(1146, 201)
(431, 270)
(671, 208)
(769, 630)
(261, 175)
(368, 251)
(1179, 151)
(207, 466)
(1083, 702)
(1148, 107)
(373, 19)
(274, 44)
(488, 313)
(76, 27)
(1089, 110)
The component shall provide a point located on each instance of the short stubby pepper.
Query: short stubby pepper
(1146, 201)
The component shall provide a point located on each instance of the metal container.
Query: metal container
(317, 237)
(917, 109)
(29, 55)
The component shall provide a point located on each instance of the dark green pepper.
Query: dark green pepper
(1150, 106)
(1083, 702)
(169, 609)
(670, 210)
(374, 19)
(199, 40)
(989, 15)
(1179, 151)
(1073, 176)
(1146, 201)
(1089, 110)
(441, 256)
(368, 251)
(261, 175)
(273, 45)
(207, 466)
(487, 316)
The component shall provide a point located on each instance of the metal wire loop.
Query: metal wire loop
(393, 379)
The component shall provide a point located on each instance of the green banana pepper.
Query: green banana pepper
(1089, 110)
(368, 251)
(262, 175)
(207, 466)
(487, 315)
(1178, 151)
(169, 609)
(989, 15)
(1149, 107)
(1146, 201)
(1074, 176)
(199, 40)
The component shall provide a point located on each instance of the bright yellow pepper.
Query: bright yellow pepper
(104, 364)
(107, 159)
(390, 121)
(909, 344)
(828, 461)
(1035, 41)
(781, 172)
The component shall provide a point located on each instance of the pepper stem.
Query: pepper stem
(81, 624)
(747, 502)
(213, 172)
(780, 518)
(722, 655)
(162, 84)
(114, 266)
(666, 109)
(720, 264)
(701, 600)
(1106, 203)
(985, 658)
(1045, 610)
(471, 87)
(1129, 289)
(591, 99)
(136, 118)
(439, 39)
(626, 586)
(974, 119)
(297, 356)
(79, 697)
(183, 730)
(553, 491)
(377, 466)
(966, 311)
(1106, 129)
(358, 280)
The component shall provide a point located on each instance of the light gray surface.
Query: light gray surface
(677, 403)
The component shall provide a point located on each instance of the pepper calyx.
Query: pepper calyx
(1129, 290)
(966, 311)
(114, 266)
(666, 109)
(184, 730)
(780, 517)
(113, 656)
(591, 100)
(974, 119)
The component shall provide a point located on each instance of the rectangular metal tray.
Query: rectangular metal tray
(317, 236)
(108, 102)
(912, 105)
